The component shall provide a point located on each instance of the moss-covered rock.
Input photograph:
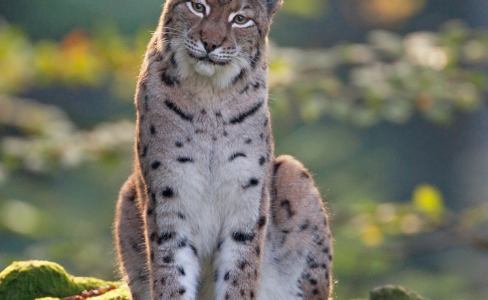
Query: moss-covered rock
(393, 292)
(37, 279)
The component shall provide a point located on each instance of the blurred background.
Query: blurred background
(384, 100)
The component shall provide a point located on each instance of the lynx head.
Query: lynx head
(216, 40)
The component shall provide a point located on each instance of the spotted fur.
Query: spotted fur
(208, 212)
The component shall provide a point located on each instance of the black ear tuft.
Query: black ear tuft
(272, 6)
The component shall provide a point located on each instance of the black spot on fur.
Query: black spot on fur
(155, 165)
(227, 276)
(244, 89)
(173, 62)
(248, 141)
(242, 264)
(286, 204)
(240, 118)
(219, 245)
(313, 281)
(252, 295)
(315, 291)
(181, 291)
(150, 211)
(153, 130)
(181, 270)
(262, 160)
(261, 136)
(319, 240)
(312, 264)
(168, 192)
(304, 226)
(266, 122)
(256, 85)
(242, 237)
(262, 221)
(153, 196)
(142, 276)
(256, 59)
(144, 152)
(181, 215)
(179, 144)
(239, 76)
(195, 251)
(166, 236)
(178, 111)
(168, 259)
(154, 235)
(168, 79)
(258, 250)
(168, 21)
(182, 243)
(236, 155)
(252, 182)
(146, 103)
(185, 160)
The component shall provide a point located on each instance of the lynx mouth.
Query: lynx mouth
(207, 59)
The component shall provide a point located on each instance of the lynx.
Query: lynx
(209, 212)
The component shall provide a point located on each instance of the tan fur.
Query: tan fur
(205, 176)
(303, 225)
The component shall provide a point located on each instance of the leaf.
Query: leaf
(428, 200)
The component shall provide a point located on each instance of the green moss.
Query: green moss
(37, 279)
(393, 292)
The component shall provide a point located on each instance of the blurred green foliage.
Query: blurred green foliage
(60, 181)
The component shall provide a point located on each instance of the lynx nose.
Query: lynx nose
(210, 44)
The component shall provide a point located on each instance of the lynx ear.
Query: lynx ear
(272, 6)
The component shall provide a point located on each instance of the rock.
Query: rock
(37, 279)
(393, 292)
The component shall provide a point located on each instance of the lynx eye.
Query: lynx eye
(240, 19)
(198, 7)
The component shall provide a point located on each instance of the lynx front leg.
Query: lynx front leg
(174, 263)
(130, 242)
(239, 254)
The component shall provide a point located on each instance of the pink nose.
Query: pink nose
(210, 44)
